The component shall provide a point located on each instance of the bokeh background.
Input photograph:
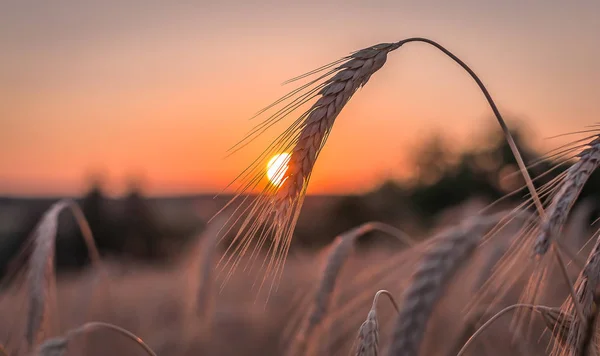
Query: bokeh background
(129, 108)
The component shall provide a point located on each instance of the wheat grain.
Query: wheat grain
(561, 204)
(453, 247)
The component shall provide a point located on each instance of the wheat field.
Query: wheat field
(499, 280)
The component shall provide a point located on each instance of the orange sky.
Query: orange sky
(159, 90)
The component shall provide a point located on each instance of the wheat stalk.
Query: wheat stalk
(279, 206)
(58, 346)
(341, 250)
(574, 180)
(452, 248)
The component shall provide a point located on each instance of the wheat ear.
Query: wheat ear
(368, 333)
(41, 272)
(574, 180)
(341, 250)
(3, 351)
(41, 265)
(438, 265)
(279, 206)
(58, 346)
(305, 139)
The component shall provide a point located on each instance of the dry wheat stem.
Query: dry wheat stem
(506, 131)
(390, 297)
(574, 180)
(482, 328)
(61, 344)
(86, 232)
(279, 207)
(438, 265)
(96, 325)
(572, 292)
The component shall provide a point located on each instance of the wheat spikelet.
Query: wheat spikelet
(41, 272)
(453, 247)
(561, 204)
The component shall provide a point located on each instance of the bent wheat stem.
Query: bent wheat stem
(490, 322)
(62, 343)
(507, 134)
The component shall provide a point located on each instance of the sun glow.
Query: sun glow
(276, 168)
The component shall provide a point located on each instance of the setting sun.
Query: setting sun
(276, 168)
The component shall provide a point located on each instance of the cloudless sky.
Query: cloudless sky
(161, 89)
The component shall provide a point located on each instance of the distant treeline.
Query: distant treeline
(130, 228)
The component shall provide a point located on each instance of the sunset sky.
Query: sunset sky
(161, 90)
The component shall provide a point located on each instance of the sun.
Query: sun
(276, 168)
